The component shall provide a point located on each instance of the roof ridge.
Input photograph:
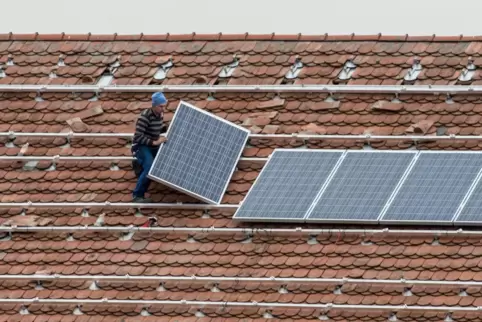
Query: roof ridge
(233, 37)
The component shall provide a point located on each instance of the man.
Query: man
(146, 142)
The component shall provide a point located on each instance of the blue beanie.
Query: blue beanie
(158, 99)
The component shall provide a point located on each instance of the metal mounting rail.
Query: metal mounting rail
(372, 89)
(217, 279)
(12, 134)
(368, 137)
(88, 205)
(364, 137)
(201, 304)
(247, 231)
(57, 158)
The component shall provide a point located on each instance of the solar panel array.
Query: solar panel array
(402, 187)
(200, 155)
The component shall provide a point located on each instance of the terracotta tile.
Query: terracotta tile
(350, 115)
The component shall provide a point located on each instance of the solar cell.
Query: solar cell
(200, 155)
(288, 185)
(361, 186)
(434, 189)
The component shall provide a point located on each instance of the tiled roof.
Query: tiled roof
(198, 59)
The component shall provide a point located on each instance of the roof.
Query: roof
(198, 59)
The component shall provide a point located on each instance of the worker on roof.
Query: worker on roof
(146, 143)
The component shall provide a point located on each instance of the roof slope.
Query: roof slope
(198, 59)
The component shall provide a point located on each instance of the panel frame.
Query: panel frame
(424, 222)
(358, 221)
(342, 152)
(183, 190)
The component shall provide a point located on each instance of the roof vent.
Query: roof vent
(61, 61)
(164, 69)
(10, 60)
(347, 70)
(414, 72)
(295, 69)
(228, 70)
(2, 73)
(468, 73)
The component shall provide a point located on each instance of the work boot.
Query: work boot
(141, 200)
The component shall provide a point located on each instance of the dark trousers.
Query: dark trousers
(145, 156)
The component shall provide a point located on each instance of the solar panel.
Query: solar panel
(361, 186)
(434, 189)
(288, 185)
(200, 155)
(471, 212)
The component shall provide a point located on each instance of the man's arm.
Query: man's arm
(141, 127)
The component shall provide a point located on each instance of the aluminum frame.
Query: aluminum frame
(184, 190)
(364, 137)
(249, 231)
(88, 205)
(373, 89)
(223, 304)
(57, 158)
(219, 279)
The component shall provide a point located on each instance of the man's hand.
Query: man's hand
(161, 140)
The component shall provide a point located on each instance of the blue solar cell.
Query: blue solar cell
(434, 188)
(288, 185)
(200, 155)
(361, 186)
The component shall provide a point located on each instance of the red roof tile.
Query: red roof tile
(264, 59)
